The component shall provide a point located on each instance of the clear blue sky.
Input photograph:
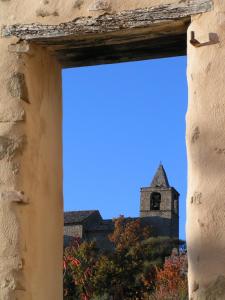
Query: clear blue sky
(120, 121)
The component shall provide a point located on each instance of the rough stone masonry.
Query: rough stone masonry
(37, 39)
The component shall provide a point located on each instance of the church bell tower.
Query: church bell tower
(160, 205)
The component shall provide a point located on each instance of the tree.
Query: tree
(128, 233)
(79, 263)
(128, 272)
(171, 280)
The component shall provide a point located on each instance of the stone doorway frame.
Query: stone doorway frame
(33, 54)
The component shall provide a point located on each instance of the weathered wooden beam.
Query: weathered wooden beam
(134, 51)
(107, 23)
(129, 35)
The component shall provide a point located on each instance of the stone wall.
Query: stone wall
(73, 231)
(166, 204)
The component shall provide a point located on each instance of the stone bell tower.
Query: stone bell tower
(159, 205)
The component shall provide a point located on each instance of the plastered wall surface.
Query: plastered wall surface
(57, 11)
(11, 145)
(206, 157)
(31, 206)
(42, 220)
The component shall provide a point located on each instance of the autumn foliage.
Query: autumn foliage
(171, 280)
(79, 262)
(128, 233)
(136, 269)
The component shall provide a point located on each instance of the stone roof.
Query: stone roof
(101, 227)
(160, 179)
(72, 217)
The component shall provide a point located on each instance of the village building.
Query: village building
(159, 209)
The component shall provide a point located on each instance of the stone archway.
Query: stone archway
(37, 40)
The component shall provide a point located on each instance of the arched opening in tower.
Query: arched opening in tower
(155, 201)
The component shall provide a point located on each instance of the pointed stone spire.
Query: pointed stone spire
(160, 179)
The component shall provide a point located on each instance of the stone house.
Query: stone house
(159, 209)
(87, 225)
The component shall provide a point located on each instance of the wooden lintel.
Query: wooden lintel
(129, 35)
